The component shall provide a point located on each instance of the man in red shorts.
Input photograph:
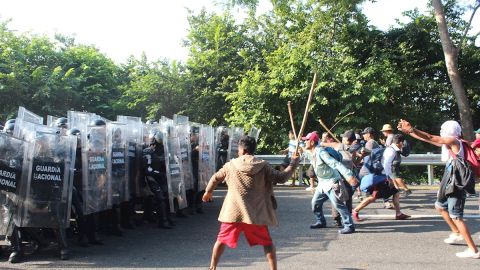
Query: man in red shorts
(249, 205)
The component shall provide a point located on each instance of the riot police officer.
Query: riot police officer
(155, 175)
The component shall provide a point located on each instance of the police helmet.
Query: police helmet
(156, 137)
(9, 127)
(98, 122)
(73, 131)
(61, 122)
(151, 122)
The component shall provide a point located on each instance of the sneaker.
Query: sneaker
(347, 230)
(317, 225)
(407, 193)
(453, 238)
(355, 216)
(468, 253)
(402, 216)
(309, 189)
(388, 205)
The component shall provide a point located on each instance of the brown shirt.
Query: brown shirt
(250, 187)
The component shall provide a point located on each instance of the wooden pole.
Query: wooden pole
(289, 104)
(305, 115)
(341, 120)
(328, 130)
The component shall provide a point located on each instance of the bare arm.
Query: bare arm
(407, 128)
(216, 179)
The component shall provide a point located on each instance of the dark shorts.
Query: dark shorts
(255, 234)
(382, 191)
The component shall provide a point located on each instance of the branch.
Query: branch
(467, 27)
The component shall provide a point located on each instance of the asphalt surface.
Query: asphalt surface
(379, 243)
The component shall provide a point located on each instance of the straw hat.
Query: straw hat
(387, 127)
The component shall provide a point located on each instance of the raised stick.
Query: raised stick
(341, 120)
(328, 130)
(305, 115)
(289, 104)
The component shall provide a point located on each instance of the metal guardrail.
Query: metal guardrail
(428, 160)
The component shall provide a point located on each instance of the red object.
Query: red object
(255, 234)
(471, 157)
(355, 216)
(311, 136)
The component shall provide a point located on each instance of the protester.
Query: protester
(249, 205)
(328, 171)
(391, 166)
(451, 206)
(476, 144)
(347, 148)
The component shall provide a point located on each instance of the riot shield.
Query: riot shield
(221, 146)
(95, 187)
(176, 186)
(29, 116)
(116, 162)
(134, 144)
(234, 134)
(206, 161)
(254, 132)
(12, 156)
(182, 128)
(47, 179)
(51, 120)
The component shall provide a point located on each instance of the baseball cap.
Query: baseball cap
(311, 136)
(387, 127)
(349, 134)
(477, 131)
(368, 130)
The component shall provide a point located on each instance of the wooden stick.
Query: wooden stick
(305, 115)
(341, 120)
(328, 130)
(289, 104)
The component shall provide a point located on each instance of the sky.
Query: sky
(120, 28)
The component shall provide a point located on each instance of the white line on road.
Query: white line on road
(413, 216)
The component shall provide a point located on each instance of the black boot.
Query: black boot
(17, 249)
(62, 243)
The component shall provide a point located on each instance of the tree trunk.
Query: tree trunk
(451, 61)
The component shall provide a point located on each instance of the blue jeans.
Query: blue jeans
(317, 207)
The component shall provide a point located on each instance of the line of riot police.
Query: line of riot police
(83, 174)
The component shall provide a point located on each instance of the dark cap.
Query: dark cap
(349, 134)
(368, 130)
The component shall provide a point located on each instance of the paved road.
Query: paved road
(381, 242)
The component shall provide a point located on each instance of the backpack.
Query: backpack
(371, 180)
(334, 153)
(406, 149)
(373, 162)
(471, 157)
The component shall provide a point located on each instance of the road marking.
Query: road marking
(413, 216)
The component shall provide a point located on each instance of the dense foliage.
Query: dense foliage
(243, 73)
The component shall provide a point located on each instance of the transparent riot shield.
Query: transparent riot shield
(79, 120)
(117, 162)
(95, 187)
(29, 116)
(12, 156)
(51, 120)
(234, 134)
(182, 128)
(134, 144)
(47, 179)
(176, 186)
(254, 132)
(221, 146)
(206, 161)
